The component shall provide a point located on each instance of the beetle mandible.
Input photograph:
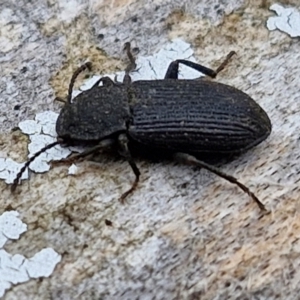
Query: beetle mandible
(188, 119)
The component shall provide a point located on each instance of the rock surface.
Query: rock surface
(183, 234)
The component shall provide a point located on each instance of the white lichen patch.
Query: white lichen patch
(72, 170)
(69, 10)
(154, 66)
(30, 127)
(42, 131)
(9, 168)
(16, 268)
(11, 227)
(146, 255)
(288, 20)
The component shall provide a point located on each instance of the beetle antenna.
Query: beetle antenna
(82, 68)
(30, 160)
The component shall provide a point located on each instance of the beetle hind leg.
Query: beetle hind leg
(173, 69)
(191, 160)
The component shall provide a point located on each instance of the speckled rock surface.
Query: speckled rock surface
(183, 234)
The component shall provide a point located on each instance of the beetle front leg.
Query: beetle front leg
(173, 69)
(102, 145)
(191, 160)
(124, 151)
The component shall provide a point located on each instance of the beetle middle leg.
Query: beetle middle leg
(191, 160)
(173, 69)
(124, 151)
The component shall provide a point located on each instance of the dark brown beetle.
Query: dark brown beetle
(185, 118)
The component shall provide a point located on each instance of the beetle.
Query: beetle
(187, 119)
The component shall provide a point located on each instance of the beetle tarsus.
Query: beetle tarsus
(225, 62)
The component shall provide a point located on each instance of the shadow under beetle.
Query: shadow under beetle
(186, 118)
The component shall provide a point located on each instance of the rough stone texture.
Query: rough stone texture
(183, 234)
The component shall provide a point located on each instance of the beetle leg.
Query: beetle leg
(105, 81)
(131, 66)
(191, 160)
(173, 69)
(225, 62)
(59, 99)
(103, 144)
(124, 151)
